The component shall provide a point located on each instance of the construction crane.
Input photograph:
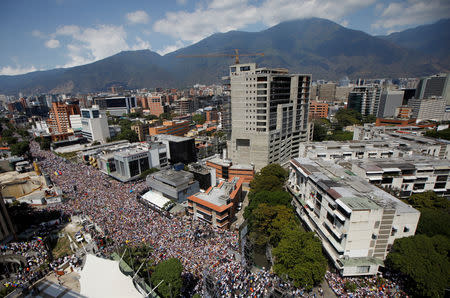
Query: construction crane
(236, 55)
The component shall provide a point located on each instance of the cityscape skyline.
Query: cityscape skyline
(93, 31)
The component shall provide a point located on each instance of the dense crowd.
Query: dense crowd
(114, 207)
(373, 286)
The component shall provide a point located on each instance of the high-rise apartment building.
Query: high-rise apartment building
(434, 86)
(365, 99)
(59, 121)
(94, 124)
(318, 110)
(390, 100)
(269, 114)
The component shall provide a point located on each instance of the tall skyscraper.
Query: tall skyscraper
(59, 120)
(390, 100)
(365, 99)
(94, 124)
(269, 114)
(434, 86)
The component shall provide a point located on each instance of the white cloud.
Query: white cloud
(68, 30)
(170, 48)
(91, 44)
(138, 17)
(11, 70)
(181, 2)
(37, 33)
(141, 44)
(52, 43)
(412, 12)
(344, 23)
(223, 16)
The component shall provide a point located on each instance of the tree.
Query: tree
(10, 140)
(369, 119)
(165, 116)
(7, 133)
(127, 134)
(198, 119)
(151, 117)
(271, 178)
(424, 262)
(434, 222)
(347, 117)
(45, 144)
(339, 135)
(442, 134)
(320, 131)
(168, 271)
(275, 169)
(134, 115)
(269, 223)
(23, 133)
(271, 198)
(20, 149)
(430, 200)
(299, 257)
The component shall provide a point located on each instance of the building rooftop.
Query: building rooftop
(242, 167)
(220, 162)
(172, 177)
(171, 138)
(353, 191)
(219, 195)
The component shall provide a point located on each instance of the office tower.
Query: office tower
(389, 101)
(434, 86)
(269, 114)
(327, 92)
(94, 124)
(116, 105)
(59, 121)
(427, 108)
(364, 99)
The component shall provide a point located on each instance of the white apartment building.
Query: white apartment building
(94, 124)
(428, 109)
(269, 114)
(407, 175)
(332, 150)
(408, 138)
(356, 221)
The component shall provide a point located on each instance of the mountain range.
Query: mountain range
(317, 46)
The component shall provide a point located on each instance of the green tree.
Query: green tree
(165, 116)
(369, 119)
(424, 262)
(7, 133)
(275, 169)
(10, 140)
(430, 200)
(168, 271)
(20, 149)
(434, 222)
(198, 119)
(45, 144)
(127, 134)
(320, 131)
(442, 134)
(347, 117)
(269, 223)
(134, 115)
(271, 198)
(271, 178)
(299, 257)
(151, 117)
(23, 133)
(339, 135)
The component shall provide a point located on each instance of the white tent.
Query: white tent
(103, 278)
(156, 199)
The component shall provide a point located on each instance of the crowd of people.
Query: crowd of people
(114, 207)
(371, 286)
(29, 268)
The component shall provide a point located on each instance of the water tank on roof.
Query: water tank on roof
(178, 166)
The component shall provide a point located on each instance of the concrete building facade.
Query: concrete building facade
(94, 125)
(175, 185)
(269, 114)
(364, 99)
(356, 221)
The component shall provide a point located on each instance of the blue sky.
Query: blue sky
(46, 34)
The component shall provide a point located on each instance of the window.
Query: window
(233, 69)
(245, 68)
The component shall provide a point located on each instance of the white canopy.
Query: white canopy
(156, 198)
(103, 278)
